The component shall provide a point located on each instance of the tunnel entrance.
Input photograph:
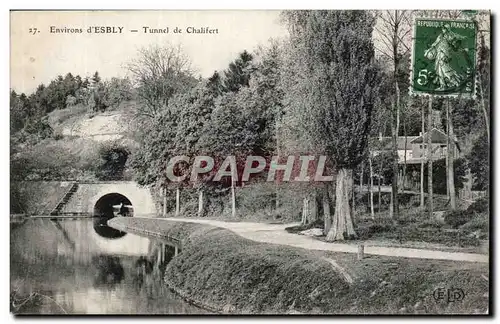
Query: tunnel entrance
(107, 207)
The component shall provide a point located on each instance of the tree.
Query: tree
(157, 146)
(214, 83)
(116, 91)
(337, 89)
(265, 78)
(241, 123)
(450, 156)
(484, 81)
(479, 162)
(86, 83)
(238, 73)
(113, 158)
(70, 101)
(160, 73)
(69, 85)
(232, 130)
(17, 112)
(96, 78)
(393, 29)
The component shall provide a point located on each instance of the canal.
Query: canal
(81, 266)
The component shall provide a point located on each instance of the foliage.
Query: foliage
(64, 159)
(28, 113)
(113, 158)
(116, 91)
(479, 222)
(208, 119)
(70, 101)
(482, 205)
(467, 119)
(238, 73)
(457, 218)
(479, 163)
(157, 147)
(232, 128)
(439, 174)
(382, 166)
(159, 73)
(38, 127)
(419, 228)
(336, 89)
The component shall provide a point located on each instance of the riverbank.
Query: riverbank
(219, 270)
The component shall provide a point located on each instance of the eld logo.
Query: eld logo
(449, 295)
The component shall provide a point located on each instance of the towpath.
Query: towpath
(276, 234)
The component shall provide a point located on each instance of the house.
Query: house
(419, 144)
(411, 149)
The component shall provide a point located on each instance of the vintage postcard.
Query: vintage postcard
(326, 162)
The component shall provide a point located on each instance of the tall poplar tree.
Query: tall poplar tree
(337, 86)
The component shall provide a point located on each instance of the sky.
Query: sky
(42, 56)
(39, 57)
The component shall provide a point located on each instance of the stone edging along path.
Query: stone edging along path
(276, 234)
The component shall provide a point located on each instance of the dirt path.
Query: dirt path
(275, 233)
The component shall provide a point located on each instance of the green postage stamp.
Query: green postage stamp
(443, 57)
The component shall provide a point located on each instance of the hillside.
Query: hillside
(72, 152)
(78, 122)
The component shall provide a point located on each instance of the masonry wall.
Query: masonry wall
(88, 194)
(40, 197)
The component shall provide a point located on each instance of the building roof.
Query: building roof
(437, 136)
(384, 143)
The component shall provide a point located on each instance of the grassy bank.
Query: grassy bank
(36, 197)
(224, 272)
(456, 229)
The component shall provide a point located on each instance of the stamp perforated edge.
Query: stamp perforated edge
(413, 93)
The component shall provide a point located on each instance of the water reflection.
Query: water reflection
(56, 273)
(109, 271)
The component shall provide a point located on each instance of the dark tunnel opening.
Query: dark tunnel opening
(107, 207)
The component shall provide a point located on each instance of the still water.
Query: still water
(72, 267)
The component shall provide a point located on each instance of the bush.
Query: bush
(116, 91)
(70, 101)
(457, 218)
(369, 228)
(439, 174)
(39, 127)
(479, 206)
(430, 223)
(480, 222)
(112, 163)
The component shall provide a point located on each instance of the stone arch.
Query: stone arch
(107, 207)
(141, 197)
